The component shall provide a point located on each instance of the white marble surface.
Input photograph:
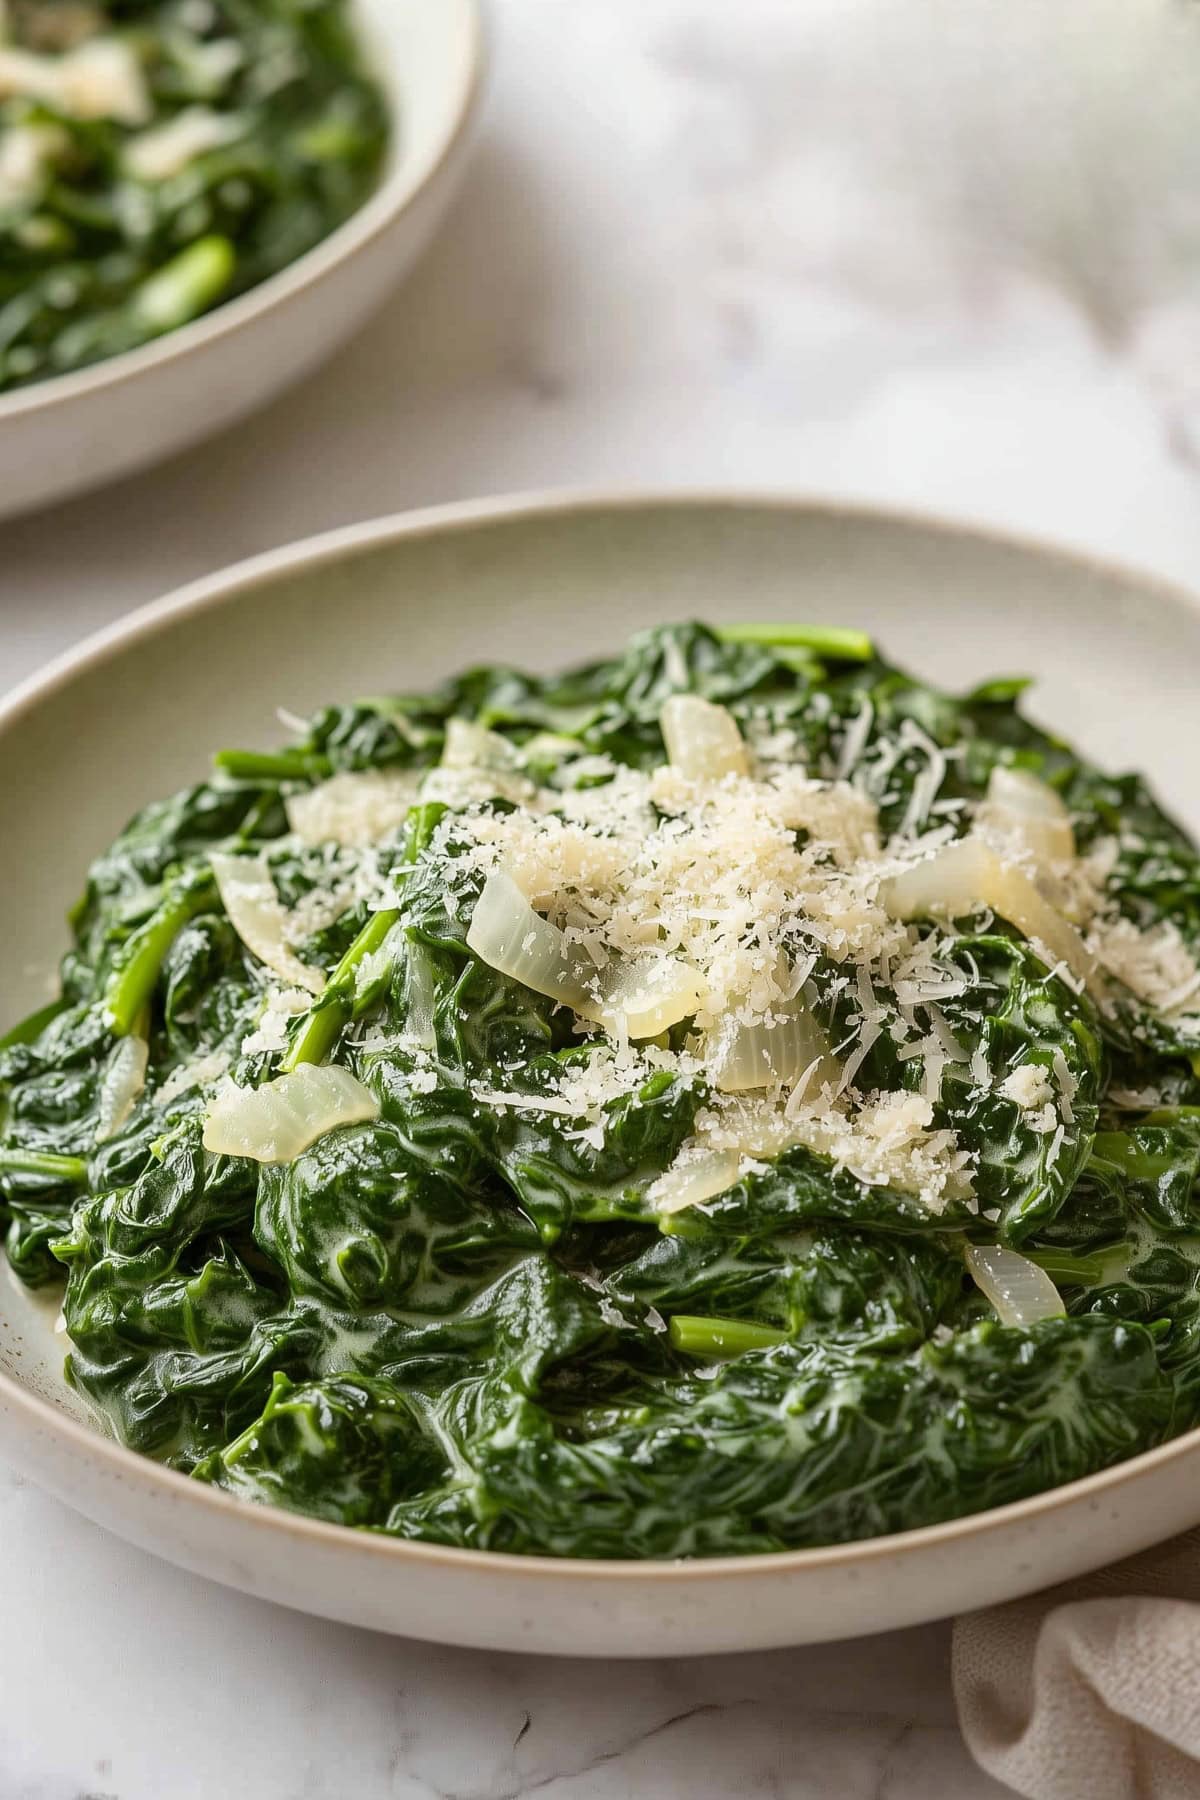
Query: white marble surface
(124, 1678)
(666, 268)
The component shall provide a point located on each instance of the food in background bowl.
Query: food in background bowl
(729, 1098)
(162, 156)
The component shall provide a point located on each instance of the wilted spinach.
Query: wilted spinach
(461, 1322)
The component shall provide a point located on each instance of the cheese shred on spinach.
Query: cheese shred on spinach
(160, 156)
(726, 1098)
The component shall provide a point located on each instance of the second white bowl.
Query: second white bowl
(72, 432)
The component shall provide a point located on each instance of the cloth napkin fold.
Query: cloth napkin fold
(1090, 1691)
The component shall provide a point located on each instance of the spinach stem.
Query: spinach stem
(803, 662)
(272, 765)
(186, 286)
(1075, 1271)
(43, 1162)
(132, 984)
(836, 641)
(721, 1337)
(334, 1010)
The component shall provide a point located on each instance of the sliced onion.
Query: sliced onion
(1021, 804)
(1020, 1292)
(27, 155)
(639, 998)
(120, 1085)
(166, 150)
(508, 935)
(248, 896)
(100, 79)
(469, 746)
(967, 875)
(950, 882)
(694, 1179)
(275, 1122)
(477, 764)
(648, 995)
(703, 741)
(741, 1057)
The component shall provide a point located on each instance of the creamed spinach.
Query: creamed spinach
(570, 1285)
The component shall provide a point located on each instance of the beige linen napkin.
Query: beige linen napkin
(1090, 1691)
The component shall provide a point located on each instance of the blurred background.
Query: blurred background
(941, 254)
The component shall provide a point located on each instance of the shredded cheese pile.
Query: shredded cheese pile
(737, 866)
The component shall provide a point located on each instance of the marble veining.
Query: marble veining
(128, 1680)
(674, 263)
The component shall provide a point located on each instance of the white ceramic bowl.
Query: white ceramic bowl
(402, 603)
(72, 432)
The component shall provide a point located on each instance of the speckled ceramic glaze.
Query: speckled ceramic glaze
(403, 603)
(73, 432)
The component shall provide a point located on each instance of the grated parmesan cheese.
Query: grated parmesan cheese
(747, 871)
(928, 782)
(1156, 964)
(353, 809)
(199, 1071)
(1028, 1086)
(855, 740)
(1068, 1086)
(885, 1141)
(269, 1036)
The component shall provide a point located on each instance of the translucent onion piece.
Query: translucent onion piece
(1021, 804)
(508, 935)
(702, 740)
(100, 79)
(120, 1085)
(647, 996)
(275, 1122)
(166, 150)
(1020, 1292)
(698, 1178)
(476, 764)
(27, 156)
(248, 896)
(469, 746)
(740, 1056)
(967, 875)
(639, 999)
